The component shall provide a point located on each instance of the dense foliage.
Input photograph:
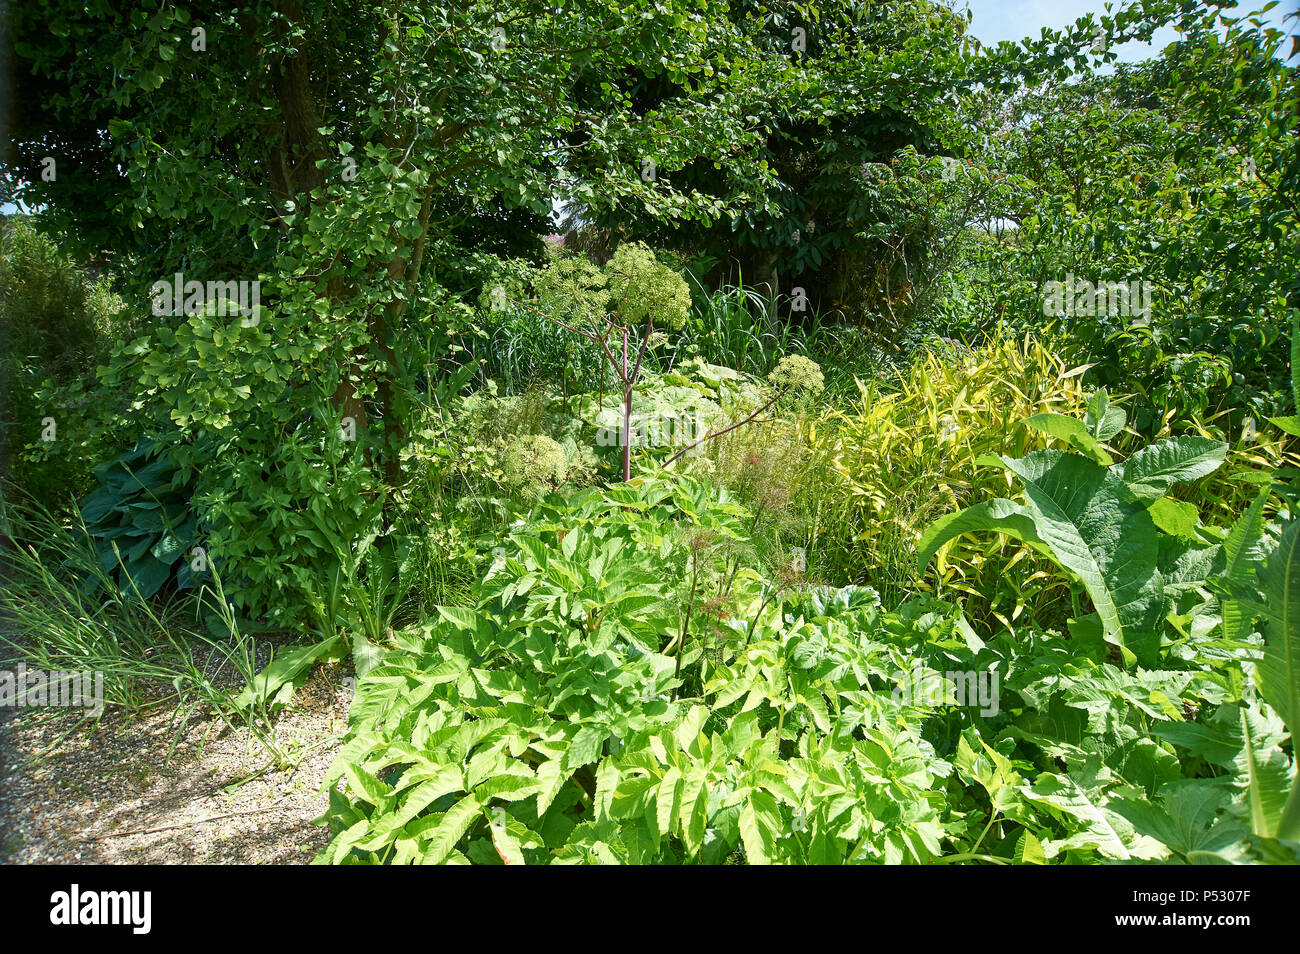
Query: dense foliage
(893, 462)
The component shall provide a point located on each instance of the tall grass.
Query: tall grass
(732, 326)
(64, 611)
(855, 485)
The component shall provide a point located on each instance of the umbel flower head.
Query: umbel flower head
(533, 459)
(797, 373)
(572, 286)
(639, 287)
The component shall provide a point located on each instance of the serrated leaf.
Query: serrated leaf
(1155, 468)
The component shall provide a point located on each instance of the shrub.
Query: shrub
(56, 420)
(620, 690)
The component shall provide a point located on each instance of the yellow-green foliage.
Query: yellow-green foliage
(898, 459)
(632, 287)
(1254, 452)
(534, 460)
(573, 289)
(855, 486)
(798, 373)
(639, 287)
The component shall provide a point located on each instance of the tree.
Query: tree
(330, 149)
(343, 156)
(847, 86)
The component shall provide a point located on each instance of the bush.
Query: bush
(56, 421)
(854, 487)
(623, 690)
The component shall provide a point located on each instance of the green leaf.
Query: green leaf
(1094, 527)
(1004, 516)
(1278, 672)
(1101, 420)
(1266, 772)
(1289, 425)
(1151, 471)
(451, 828)
(1029, 850)
(285, 668)
(148, 575)
(1186, 821)
(1072, 431)
(365, 654)
(1243, 549)
(760, 823)
(1175, 517)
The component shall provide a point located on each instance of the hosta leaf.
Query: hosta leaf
(147, 575)
(98, 505)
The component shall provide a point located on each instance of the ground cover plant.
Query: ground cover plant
(702, 433)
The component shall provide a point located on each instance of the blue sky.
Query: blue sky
(1015, 19)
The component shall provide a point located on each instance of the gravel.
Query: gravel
(150, 789)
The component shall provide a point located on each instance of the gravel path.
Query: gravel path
(112, 795)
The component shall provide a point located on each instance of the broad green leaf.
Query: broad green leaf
(760, 823)
(451, 828)
(1096, 529)
(1278, 671)
(285, 668)
(1266, 772)
(1102, 420)
(1289, 425)
(1151, 471)
(365, 654)
(1186, 821)
(1029, 850)
(1072, 431)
